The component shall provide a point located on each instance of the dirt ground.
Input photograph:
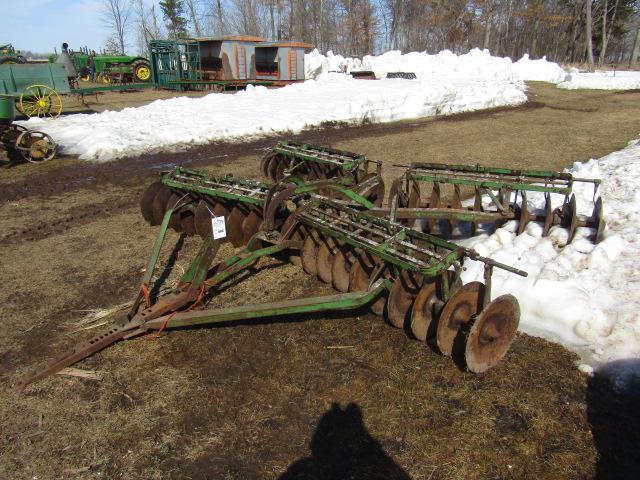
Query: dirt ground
(323, 397)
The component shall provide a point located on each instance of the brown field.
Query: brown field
(323, 397)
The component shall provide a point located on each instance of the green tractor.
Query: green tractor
(108, 68)
(8, 54)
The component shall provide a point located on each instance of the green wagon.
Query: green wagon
(36, 87)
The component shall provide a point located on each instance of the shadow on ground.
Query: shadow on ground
(613, 398)
(341, 448)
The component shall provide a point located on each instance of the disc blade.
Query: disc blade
(309, 254)
(272, 168)
(457, 313)
(146, 200)
(187, 221)
(234, 226)
(173, 201)
(422, 314)
(251, 225)
(264, 163)
(598, 215)
(292, 228)
(324, 261)
(403, 292)
(492, 334)
(548, 214)
(159, 204)
(340, 271)
(202, 219)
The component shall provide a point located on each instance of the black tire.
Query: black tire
(141, 71)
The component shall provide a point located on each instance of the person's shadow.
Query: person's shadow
(613, 408)
(342, 448)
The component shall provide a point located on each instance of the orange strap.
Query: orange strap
(168, 319)
(144, 288)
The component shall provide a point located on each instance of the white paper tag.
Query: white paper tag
(218, 228)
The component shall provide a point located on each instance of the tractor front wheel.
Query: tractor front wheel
(141, 71)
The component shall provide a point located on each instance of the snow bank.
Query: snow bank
(181, 122)
(601, 80)
(585, 296)
(315, 64)
(475, 64)
(539, 70)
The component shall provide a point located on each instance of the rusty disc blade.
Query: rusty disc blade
(309, 254)
(457, 313)
(548, 215)
(174, 222)
(272, 168)
(359, 279)
(234, 226)
(187, 221)
(146, 200)
(492, 334)
(423, 314)
(251, 225)
(524, 213)
(598, 219)
(159, 204)
(324, 260)
(574, 218)
(340, 271)
(294, 228)
(282, 166)
(264, 163)
(403, 292)
(202, 219)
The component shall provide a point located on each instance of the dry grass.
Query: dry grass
(256, 400)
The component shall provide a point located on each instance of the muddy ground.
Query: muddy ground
(322, 397)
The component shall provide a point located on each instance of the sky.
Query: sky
(41, 25)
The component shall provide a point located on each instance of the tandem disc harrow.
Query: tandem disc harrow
(442, 211)
(411, 278)
(324, 214)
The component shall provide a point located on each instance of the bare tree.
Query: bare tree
(117, 15)
(194, 17)
(588, 36)
(633, 60)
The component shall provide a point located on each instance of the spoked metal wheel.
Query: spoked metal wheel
(492, 334)
(36, 146)
(40, 101)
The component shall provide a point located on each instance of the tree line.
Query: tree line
(566, 31)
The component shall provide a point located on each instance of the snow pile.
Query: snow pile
(602, 80)
(539, 70)
(316, 64)
(475, 64)
(585, 296)
(178, 123)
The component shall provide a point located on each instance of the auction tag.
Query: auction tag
(218, 228)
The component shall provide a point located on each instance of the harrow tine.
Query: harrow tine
(548, 215)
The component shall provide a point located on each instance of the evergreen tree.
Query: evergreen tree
(173, 12)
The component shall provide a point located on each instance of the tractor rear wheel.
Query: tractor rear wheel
(141, 71)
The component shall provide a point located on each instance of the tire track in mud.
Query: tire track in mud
(80, 216)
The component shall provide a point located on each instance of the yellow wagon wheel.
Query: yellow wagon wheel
(40, 101)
